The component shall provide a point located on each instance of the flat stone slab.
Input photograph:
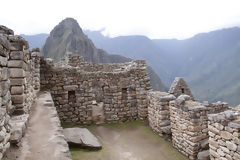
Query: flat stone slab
(18, 125)
(81, 137)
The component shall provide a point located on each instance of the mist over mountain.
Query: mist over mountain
(209, 62)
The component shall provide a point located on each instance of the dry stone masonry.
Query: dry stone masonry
(224, 134)
(19, 78)
(88, 93)
(189, 125)
(158, 112)
(177, 115)
(179, 87)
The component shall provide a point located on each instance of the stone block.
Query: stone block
(4, 87)
(70, 87)
(4, 74)
(16, 55)
(17, 90)
(3, 61)
(3, 52)
(17, 73)
(231, 146)
(226, 135)
(16, 64)
(6, 98)
(203, 155)
(4, 41)
(18, 99)
(17, 81)
(3, 133)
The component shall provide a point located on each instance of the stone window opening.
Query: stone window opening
(71, 97)
(124, 94)
(183, 91)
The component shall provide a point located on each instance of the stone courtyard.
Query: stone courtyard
(37, 96)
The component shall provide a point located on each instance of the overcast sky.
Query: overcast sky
(153, 18)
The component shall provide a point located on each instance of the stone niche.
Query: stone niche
(88, 93)
(189, 125)
(224, 135)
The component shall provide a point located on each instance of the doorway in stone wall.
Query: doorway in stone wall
(98, 113)
(98, 105)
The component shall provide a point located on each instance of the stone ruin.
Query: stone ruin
(86, 93)
(20, 81)
(224, 133)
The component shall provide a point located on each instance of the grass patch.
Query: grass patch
(82, 154)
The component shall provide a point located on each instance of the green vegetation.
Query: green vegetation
(131, 136)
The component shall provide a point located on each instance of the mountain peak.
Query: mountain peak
(68, 25)
(69, 22)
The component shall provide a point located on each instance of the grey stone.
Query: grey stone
(164, 123)
(4, 87)
(18, 99)
(4, 73)
(70, 87)
(17, 90)
(16, 64)
(18, 124)
(3, 61)
(4, 41)
(81, 137)
(2, 134)
(5, 30)
(203, 155)
(234, 125)
(17, 73)
(16, 55)
(231, 146)
(17, 82)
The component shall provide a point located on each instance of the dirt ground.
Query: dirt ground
(129, 141)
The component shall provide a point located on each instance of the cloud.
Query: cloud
(154, 18)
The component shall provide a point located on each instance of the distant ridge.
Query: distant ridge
(209, 62)
(68, 37)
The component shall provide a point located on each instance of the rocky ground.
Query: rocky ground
(130, 141)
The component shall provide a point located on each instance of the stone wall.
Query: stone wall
(189, 125)
(88, 93)
(224, 135)
(179, 87)
(158, 112)
(16, 78)
(5, 96)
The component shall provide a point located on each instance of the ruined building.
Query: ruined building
(86, 93)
